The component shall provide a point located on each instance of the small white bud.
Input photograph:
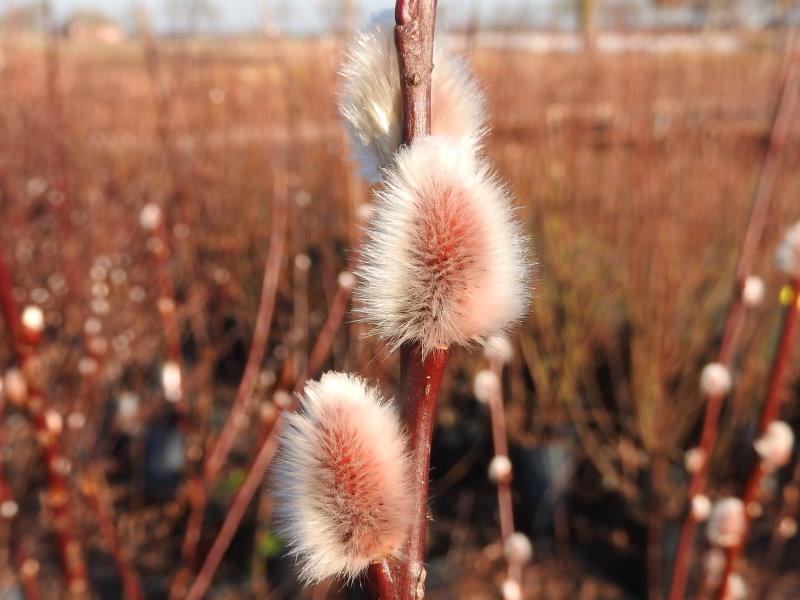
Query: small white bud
(165, 305)
(694, 459)
(346, 280)
(498, 348)
(753, 291)
(15, 387)
(517, 548)
(8, 509)
(92, 326)
(486, 386)
(727, 523)
(87, 366)
(267, 412)
(150, 216)
(737, 590)
(53, 422)
(171, 380)
(701, 507)
(282, 399)
(76, 421)
(775, 446)
(364, 212)
(787, 528)
(715, 380)
(511, 590)
(500, 469)
(302, 262)
(127, 405)
(33, 319)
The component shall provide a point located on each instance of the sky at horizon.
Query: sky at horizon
(292, 16)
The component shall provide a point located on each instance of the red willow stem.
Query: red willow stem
(268, 445)
(505, 504)
(221, 448)
(55, 111)
(421, 374)
(234, 516)
(500, 441)
(95, 489)
(269, 288)
(772, 406)
(413, 36)
(58, 497)
(329, 328)
(755, 228)
(382, 582)
(421, 380)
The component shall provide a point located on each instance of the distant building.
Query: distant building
(93, 26)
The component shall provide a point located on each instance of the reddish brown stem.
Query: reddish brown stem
(381, 583)
(772, 405)
(422, 378)
(755, 228)
(413, 35)
(255, 473)
(8, 305)
(323, 344)
(58, 496)
(96, 492)
(221, 449)
(505, 503)
(234, 516)
(421, 374)
(269, 288)
(500, 442)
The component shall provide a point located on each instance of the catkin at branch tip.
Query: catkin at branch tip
(370, 101)
(342, 479)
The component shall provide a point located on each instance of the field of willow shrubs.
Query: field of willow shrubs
(142, 189)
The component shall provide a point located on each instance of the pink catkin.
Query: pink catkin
(342, 479)
(446, 262)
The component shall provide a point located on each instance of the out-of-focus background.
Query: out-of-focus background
(634, 134)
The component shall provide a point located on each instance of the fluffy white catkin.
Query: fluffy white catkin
(370, 102)
(342, 479)
(445, 260)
